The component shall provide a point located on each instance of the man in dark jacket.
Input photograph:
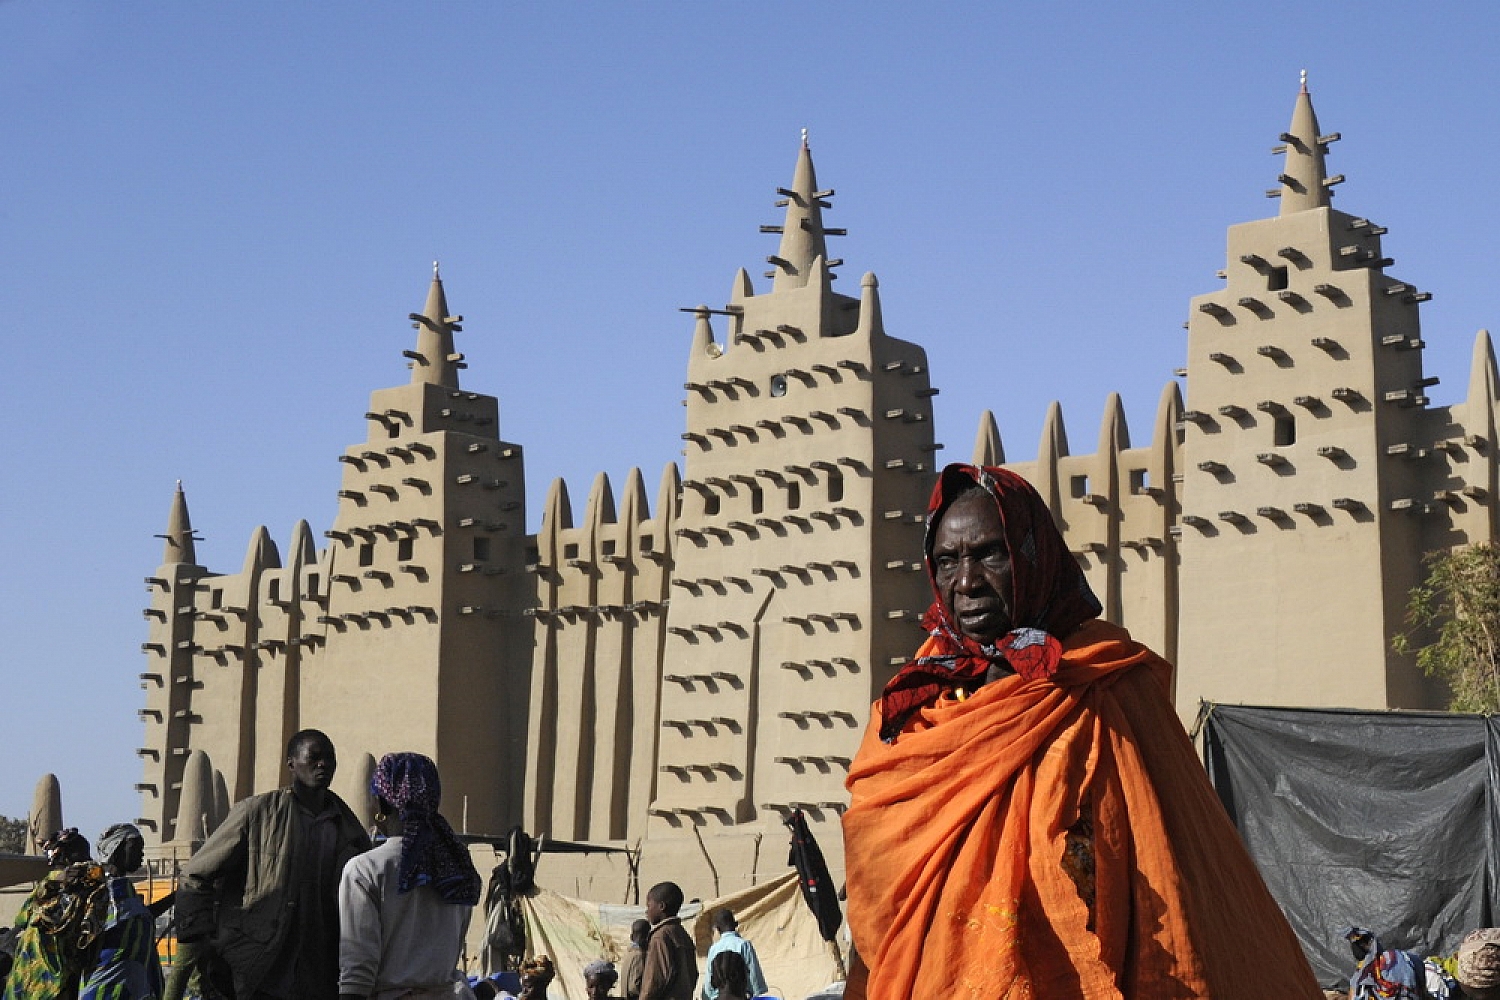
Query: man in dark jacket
(671, 960)
(261, 895)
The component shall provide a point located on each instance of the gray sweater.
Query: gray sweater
(396, 942)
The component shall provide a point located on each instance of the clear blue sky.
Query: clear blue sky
(214, 219)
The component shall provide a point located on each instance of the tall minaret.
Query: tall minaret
(168, 677)
(420, 638)
(1303, 504)
(796, 580)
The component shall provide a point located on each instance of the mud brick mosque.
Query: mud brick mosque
(698, 652)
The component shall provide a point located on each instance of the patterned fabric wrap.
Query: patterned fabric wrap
(1440, 985)
(1479, 959)
(127, 967)
(431, 853)
(1388, 974)
(1050, 598)
(56, 930)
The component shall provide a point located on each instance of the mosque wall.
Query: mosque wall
(677, 671)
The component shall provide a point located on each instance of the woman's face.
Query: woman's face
(971, 567)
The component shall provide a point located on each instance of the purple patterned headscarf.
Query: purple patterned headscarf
(431, 854)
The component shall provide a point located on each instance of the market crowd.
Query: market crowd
(289, 899)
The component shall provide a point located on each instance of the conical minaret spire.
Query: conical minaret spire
(435, 360)
(179, 536)
(1304, 178)
(802, 235)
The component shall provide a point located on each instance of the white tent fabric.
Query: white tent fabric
(772, 917)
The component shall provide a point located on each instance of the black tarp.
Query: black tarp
(1385, 820)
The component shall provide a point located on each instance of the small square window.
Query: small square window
(835, 486)
(404, 549)
(1140, 481)
(1079, 486)
(1276, 279)
(481, 549)
(1285, 429)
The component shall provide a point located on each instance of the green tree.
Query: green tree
(12, 835)
(1453, 620)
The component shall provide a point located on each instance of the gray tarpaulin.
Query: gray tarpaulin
(1385, 820)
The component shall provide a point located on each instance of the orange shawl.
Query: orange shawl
(955, 834)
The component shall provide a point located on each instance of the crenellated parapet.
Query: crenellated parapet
(601, 592)
(1116, 507)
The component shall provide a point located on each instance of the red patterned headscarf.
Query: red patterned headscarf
(1049, 599)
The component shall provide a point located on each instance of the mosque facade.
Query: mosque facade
(699, 657)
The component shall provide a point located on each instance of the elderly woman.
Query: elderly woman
(1027, 816)
(405, 905)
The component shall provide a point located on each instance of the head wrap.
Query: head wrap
(431, 854)
(1479, 959)
(599, 968)
(1049, 599)
(65, 847)
(539, 968)
(111, 839)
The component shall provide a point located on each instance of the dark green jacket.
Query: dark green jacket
(237, 895)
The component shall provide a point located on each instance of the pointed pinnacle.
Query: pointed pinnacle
(802, 233)
(1304, 177)
(434, 359)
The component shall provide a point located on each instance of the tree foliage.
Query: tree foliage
(1453, 620)
(12, 835)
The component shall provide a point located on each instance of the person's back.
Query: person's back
(671, 967)
(726, 927)
(404, 906)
